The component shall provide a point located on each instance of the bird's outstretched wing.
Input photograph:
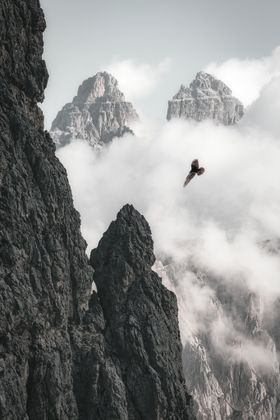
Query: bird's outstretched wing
(189, 178)
(195, 165)
(200, 171)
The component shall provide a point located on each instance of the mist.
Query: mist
(217, 224)
(247, 77)
(138, 79)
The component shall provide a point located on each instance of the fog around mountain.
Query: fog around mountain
(220, 233)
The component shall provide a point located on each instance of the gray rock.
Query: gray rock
(223, 386)
(206, 98)
(97, 114)
(142, 323)
(45, 278)
(60, 358)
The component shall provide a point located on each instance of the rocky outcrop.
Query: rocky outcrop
(97, 114)
(64, 353)
(127, 350)
(205, 98)
(142, 330)
(44, 274)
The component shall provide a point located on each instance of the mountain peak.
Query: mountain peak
(97, 114)
(102, 85)
(130, 235)
(141, 317)
(206, 98)
(206, 82)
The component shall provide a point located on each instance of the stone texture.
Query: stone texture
(44, 274)
(60, 356)
(205, 98)
(97, 114)
(142, 324)
(224, 387)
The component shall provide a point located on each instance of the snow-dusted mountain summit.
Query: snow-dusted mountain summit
(98, 113)
(206, 98)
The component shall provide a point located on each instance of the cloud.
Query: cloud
(201, 314)
(259, 352)
(264, 113)
(238, 194)
(247, 77)
(213, 231)
(138, 79)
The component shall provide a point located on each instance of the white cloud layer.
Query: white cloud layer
(262, 114)
(238, 190)
(138, 79)
(219, 221)
(247, 77)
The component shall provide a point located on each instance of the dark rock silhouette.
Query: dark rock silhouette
(142, 323)
(44, 272)
(64, 353)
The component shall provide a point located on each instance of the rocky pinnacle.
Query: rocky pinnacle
(205, 98)
(142, 322)
(97, 114)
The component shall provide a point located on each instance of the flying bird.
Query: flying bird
(195, 170)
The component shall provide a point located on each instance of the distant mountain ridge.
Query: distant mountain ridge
(97, 114)
(206, 98)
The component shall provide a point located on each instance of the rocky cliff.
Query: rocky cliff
(205, 98)
(97, 114)
(141, 323)
(45, 277)
(127, 350)
(64, 353)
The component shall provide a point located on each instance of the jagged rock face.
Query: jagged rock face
(45, 277)
(97, 114)
(127, 350)
(142, 324)
(205, 98)
(235, 379)
(60, 357)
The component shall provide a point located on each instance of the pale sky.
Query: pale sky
(87, 36)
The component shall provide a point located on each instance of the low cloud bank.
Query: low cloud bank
(219, 222)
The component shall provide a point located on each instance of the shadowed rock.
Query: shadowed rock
(60, 355)
(44, 274)
(141, 316)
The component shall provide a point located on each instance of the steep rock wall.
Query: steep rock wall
(60, 357)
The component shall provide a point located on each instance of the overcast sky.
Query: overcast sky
(168, 41)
